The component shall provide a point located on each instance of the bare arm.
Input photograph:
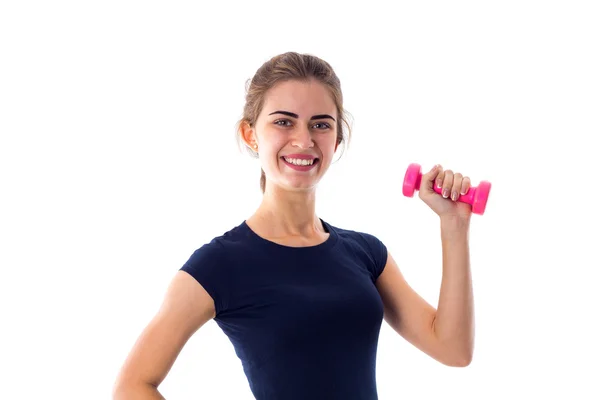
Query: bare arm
(446, 334)
(186, 307)
(454, 321)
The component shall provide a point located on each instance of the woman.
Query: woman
(302, 301)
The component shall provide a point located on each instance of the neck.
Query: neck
(288, 213)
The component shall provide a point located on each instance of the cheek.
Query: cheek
(327, 145)
(272, 139)
(270, 149)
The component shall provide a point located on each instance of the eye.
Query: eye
(327, 126)
(281, 120)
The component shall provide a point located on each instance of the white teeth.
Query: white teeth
(297, 161)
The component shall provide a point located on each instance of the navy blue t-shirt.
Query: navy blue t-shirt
(304, 321)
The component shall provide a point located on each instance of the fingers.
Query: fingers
(447, 184)
(439, 180)
(456, 186)
(466, 185)
(452, 184)
(430, 176)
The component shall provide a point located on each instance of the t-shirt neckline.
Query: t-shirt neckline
(327, 244)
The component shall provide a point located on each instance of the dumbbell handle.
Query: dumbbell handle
(463, 198)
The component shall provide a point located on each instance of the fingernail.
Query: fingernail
(434, 168)
(454, 196)
(445, 193)
(439, 183)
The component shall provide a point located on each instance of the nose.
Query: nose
(302, 138)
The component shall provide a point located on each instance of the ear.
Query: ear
(248, 134)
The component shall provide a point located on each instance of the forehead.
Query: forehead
(302, 98)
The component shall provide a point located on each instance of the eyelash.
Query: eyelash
(287, 120)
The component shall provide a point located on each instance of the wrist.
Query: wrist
(455, 226)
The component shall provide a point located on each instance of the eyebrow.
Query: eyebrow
(289, 114)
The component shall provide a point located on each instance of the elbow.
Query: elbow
(122, 391)
(118, 393)
(127, 392)
(461, 361)
(117, 390)
(459, 354)
(130, 385)
(459, 358)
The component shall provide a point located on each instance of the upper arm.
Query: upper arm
(407, 312)
(185, 308)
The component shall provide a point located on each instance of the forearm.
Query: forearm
(454, 321)
(137, 392)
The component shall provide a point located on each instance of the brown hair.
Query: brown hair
(286, 67)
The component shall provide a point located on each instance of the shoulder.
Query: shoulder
(215, 250)
(208, 253)
(211, 265)
(358, 238)
(364, 244)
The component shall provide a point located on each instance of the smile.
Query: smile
(300, 165)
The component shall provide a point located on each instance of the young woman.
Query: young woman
(301, 300)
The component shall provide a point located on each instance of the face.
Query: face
(296, 134)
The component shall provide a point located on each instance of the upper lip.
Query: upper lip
(301, 156)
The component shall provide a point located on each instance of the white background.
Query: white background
(118, 160)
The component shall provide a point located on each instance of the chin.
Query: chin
(300, 186)
(297, 185)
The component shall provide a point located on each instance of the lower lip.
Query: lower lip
(301, 167)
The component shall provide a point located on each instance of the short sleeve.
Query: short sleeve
(207, 265)
(379, 254)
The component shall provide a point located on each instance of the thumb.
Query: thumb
(427, 180)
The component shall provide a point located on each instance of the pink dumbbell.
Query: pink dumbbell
(476, 196)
